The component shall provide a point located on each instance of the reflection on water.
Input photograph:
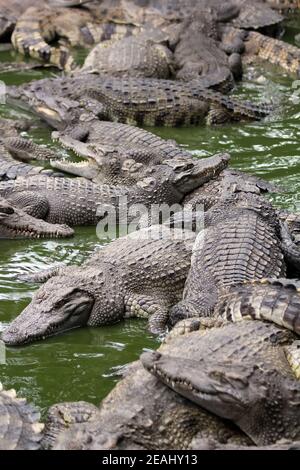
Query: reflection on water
(85, 364)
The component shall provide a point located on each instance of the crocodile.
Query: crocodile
(275, 300)
(241, 241)
(151, 417)
(16, 223)
(63, 101)
(10, 168)
(20, 427)
(254, 340)
(155, 102)
(113, 150)
(81, 202)
(109, 287)
(149, 54)
(27, 150)
(250, 376)
(143, 55)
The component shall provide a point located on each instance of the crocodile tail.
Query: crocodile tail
(235, 107)
(239, 108)
(29, 38)
(274, 300)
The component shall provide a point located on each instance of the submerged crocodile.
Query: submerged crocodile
(15, 223)
(241, 241)
(109, 287)
(20, 427)
(81, 202)
(250, 376)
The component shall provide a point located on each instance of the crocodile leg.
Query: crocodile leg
(149, 307)
(274, 51)
(218, 115)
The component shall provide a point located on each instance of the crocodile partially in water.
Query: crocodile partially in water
(63, 101)
(113, 152)
(82, 202)
(109, 287)
(248, 344)
(16, 223)
(152, 416)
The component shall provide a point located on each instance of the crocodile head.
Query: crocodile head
(54, 308)
(15, 223)
(72, 299)
(263, 402)
(180, 176)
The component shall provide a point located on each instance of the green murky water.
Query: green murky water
(83, 365)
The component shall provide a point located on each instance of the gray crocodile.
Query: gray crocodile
(274, 51)
(27, 150)
(63, 101)
(20, 427)
(109, 287)
(161, 102)
(275, 300)
(38, 27)
(151, 416)
(81, 202)
(241, 241)
(261, 344)
(15, 223)
(113, 151)
(248, 377)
